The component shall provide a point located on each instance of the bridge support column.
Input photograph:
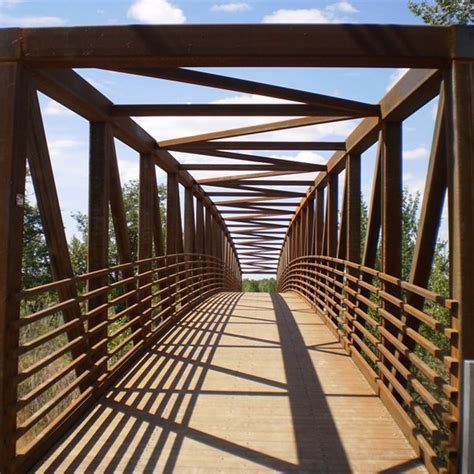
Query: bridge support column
(460, 121)
(13, 123)
(98, 238)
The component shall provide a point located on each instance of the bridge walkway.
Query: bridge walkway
(251, 382)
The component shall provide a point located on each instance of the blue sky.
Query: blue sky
(68, 134)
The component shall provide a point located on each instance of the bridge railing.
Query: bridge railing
(71, 349)
(406, 354)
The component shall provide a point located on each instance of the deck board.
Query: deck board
(247, 382)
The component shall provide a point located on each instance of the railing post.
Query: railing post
(460, 132)
(13, 123)
(98, 238)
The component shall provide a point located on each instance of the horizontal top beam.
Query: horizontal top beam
(226, 110)
(343, 45)
(273, 145)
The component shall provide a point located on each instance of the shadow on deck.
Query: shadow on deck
(250, 382)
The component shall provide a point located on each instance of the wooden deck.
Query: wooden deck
(251, 382)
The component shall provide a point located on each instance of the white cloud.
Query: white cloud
(396, 76)
(58, 146)
(231, 7)
(414, 183)
(30, 21)
(55, 109)
(330, 14)
(344, 7)
(156, 11)
(416, 154)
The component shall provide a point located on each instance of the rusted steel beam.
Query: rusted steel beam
(14, 96)
(415, 89)
(332, 215)
(53, 226)
(254, 129)
(98, 227)
(353, 207)
(221, 46)
(460, 119)
(224, 110)
(241, 145)
(199, 241)
(74, 92)
(291, 166)
(232, 155)
(145, 231)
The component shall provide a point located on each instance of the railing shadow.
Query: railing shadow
(317, 439)
(147, 415)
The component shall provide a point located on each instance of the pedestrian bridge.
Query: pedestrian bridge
(151, 359)
(249, 382)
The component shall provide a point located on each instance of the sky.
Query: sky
(67, 133)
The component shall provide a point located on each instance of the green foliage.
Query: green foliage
(35, 265)
(78, 246)
(410, 206)
(444, 12)
(267, 285)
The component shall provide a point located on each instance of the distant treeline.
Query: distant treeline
(267, 285)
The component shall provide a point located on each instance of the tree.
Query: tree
(444, 12)
(266, 285)
(130, 191)
(36, 269)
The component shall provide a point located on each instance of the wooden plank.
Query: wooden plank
(14, 95)
(257, 145)
(98, 227)
(220, 46)
(224, 110)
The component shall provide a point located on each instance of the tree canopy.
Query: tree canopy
(444, 12)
